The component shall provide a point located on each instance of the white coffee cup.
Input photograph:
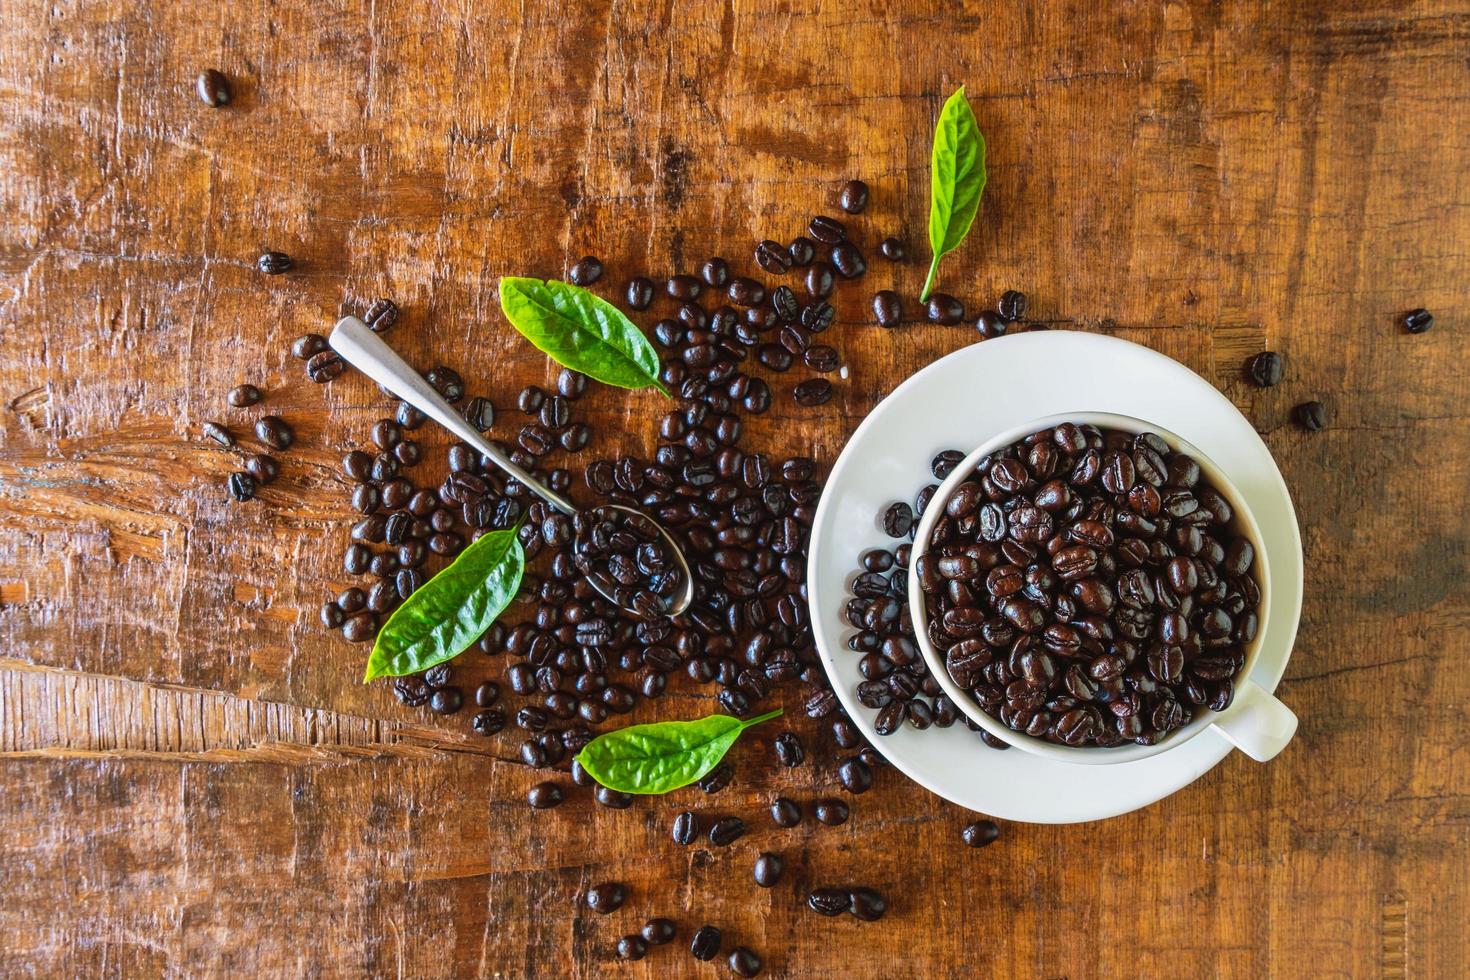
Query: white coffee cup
(1255, 722)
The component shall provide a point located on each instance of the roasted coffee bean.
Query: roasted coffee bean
(446, 381)
(273, 263)
(819, 280)
(632, 948)
(1418, 321)
(213, 88)
(991, 324)
(686, 828)
(685, 289)
(408, 416)
(717, 778)
(848, 260)
(308, 345)
(829, 901)
(944, 309)
(218, 433)
(828, 231)
(891, 249)
(606, 897)
(639, 293)
(1265, 369)
(980, 833)
(1311, 416)
(898, 520)
(867, 904)
(359, 628)
(813, 392)
(785, 813)
(585, 271)
(706, 943)
(242, 486)
(243, 396)
(833, 813)
(571, 384)
(325, 366)
(726, 831)
(657, 932)
(544, 796)
(789, 751)
(768, 869)
(264, 468)
(612, 799)
(381, 316)
(801, 250)
(743, 962)
(479, 413)
(855, 776)
(446, 701)
(746, 292)
(887, 308)
(1012, 305)
(772, 257)
(853, 197)
(275, 432)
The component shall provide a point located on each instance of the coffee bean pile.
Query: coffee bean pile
(1089, 587)
(741, 518)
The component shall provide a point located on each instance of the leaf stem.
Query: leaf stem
(760, 718)
(929, 280)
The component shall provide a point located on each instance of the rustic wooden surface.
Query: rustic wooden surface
(193, 780)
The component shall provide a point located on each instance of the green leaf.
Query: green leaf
(580, 331)
(956, 180)
(662, 756)
(447, 613)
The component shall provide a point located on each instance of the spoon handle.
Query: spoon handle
(371, 355)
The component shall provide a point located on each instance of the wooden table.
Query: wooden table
(195, 783)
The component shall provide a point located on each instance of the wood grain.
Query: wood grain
(194, 783)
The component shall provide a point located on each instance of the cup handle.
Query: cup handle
(1257, 723)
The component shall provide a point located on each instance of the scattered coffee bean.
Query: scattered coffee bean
(789, 750)
(1265, 369)
(585, 271)
(802, 250)
(219, 434)
(1418, 321)
(606, 897)
(980, 833)
(544, 796)
(898, 519)
(308, 345)
(855, 776)
(480, 413)
(785, 813)
(745, 292)
(242, 486)
(446, 701)
(867, 904)
(848, 260)
(1311, 416)
(360, 628)
(828, 231)
(813, 392)
(991, 324)
(829, 901)
(686, 828)
(743, 962)
(243, 396)
(772, 257)
(657, 932)
(213, 88)
(717, 778)
(833, 813)
(639, 293)
(888, 308)
(706, 943)
(447, 382)
(768, 869)
(571, 384)
(854, 197)
(632, 947)
(275, 432)
(715, 272)
(819, 280)
(264, 468)
(1012, 305)
(325, 366)
(381, 316)
(612, 799)
(891, 249)
(726, 831)
(944, 309)
(273, 263)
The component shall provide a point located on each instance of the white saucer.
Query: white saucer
(957, 403)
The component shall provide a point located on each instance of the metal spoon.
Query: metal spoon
(368, 352)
